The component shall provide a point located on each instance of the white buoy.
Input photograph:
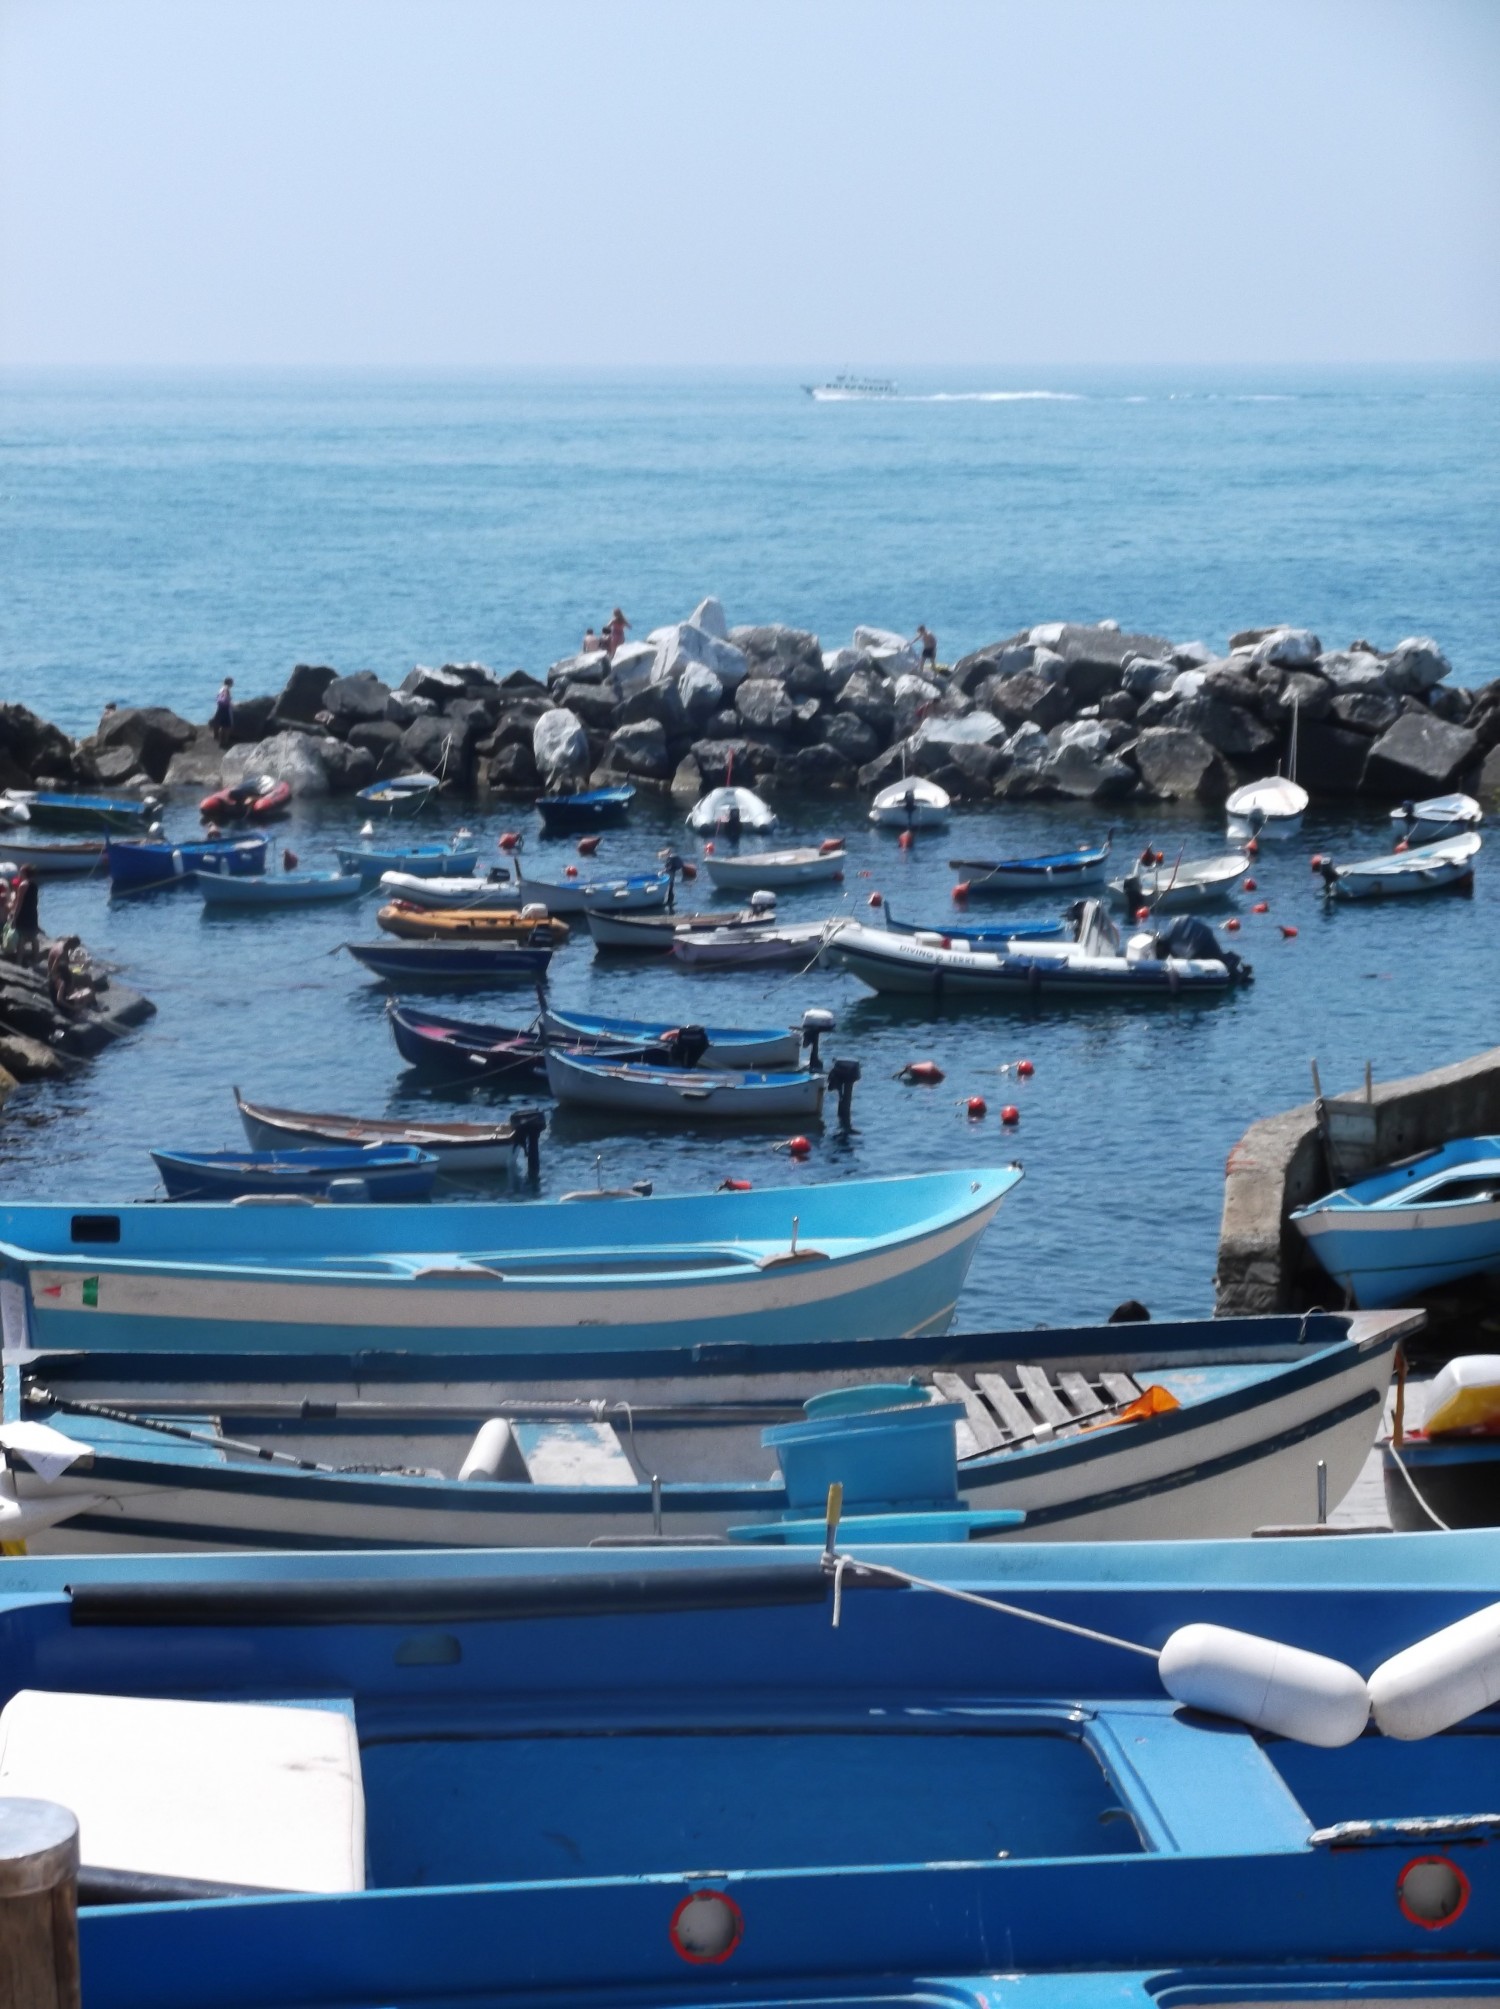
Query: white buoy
(488, 1454)
(1261, 1682)
(1441, 1680)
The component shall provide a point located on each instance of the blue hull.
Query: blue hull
(690, 1271)
(278, 889)
(594, 810)
(138, 866)
(479, 963)
(388, 1174)
(981, 934)
(424, 861)
(934, 1804)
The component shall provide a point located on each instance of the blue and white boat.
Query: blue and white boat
(463, 1149)
(1049, 872)
(49, 858)
(728, 1045)
(853, 1258)
(142, 864)
(1438, 816)
(1104, 1433)
(381, 1172)
(1432, 1221)
(631, 893)
(982, 934)
(422, 861)
(706, 1777)
(401, 792)
(58, 810)
(277, 889)
(1424, 868)
(481, 965)
(592, 809)
(632, 1087)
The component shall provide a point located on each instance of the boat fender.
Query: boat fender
(1143, 913)
(1402, 845)
(1465, 1396)
(1260, 907)
(1025, 1069)
(1148, 856)
(875, 900)
(1249, 886)
(903, 842)
(829, 845)
(920, 1073)
(1252, 848)
(1161, 858)
(1287, 934)
(733, 1186)
(976, 1106)
(1441, 1680)
(1317, 861)
(1010, 1116)
(352, 1192)
(534, 911)
(1270, 1686)
(587, 846)
(961, 891)
(493, 1449)
(570, 871)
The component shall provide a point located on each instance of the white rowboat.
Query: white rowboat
(773, 870)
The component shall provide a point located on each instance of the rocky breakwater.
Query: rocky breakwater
(1062, 710)
(59, 1010)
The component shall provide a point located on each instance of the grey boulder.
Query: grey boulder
(293, 757)
(1415, 666)
(1420, 755)
(1179, 765)
(560, 746)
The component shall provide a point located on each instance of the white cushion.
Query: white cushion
(226, 1792)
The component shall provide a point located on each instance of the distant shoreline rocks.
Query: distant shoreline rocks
(1061, 710)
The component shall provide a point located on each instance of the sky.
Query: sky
(621, 183)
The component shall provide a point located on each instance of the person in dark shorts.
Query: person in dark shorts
(928, 643)
(223, 719)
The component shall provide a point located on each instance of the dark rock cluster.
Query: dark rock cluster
(1062, 710)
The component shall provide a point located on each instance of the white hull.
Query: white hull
(686, 1094)
(1203, 882)
(583, 896)
(753, 948)
(1272, 809)
(774, 870)
(911, 805)
(713, 812)
(471, 892)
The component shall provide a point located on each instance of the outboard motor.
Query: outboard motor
(1135, 894)
(814, 1024)
(841, 1079)
(763, 904)
(527, 1126)
(671, 863)
(731, 822)
(687, 1045)
(909, 803)
(1409, 812)
(1330, 874)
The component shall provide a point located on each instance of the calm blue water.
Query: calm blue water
(156, 534)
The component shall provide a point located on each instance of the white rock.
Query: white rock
(1048, 635)
(631, 669)
(1289, 649)
(1091, 734)
(709, 616)
(559, 744)
(701, 691)
(1187, 683)
(1143, 676)
(683, 644)
(912, 694)
(292, 757)
(1028, 745)
(1109, 627)
(975, 728)
(1353, 670)
(1048, 663)
(1192, 655)
(1415, 666)
(880, 638)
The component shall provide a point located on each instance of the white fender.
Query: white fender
(21, 1519)
(493, 1447)
(1442, 1679)
(1265, 1684)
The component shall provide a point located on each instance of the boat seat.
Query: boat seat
(998, 1416)
(574, 1453)
(253, 1794)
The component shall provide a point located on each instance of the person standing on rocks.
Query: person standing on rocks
(590, 642)
(23, 929)
(928, 642)
(615, 630)
(223, 720)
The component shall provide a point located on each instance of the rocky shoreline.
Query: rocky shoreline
(1060, 710)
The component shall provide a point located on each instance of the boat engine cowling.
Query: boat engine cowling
(687, 1045)
(841, 1079)
(815, 1022)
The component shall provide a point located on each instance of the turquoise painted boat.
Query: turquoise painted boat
(851, 1259)
(1432, 1221)
(277, 889)
(423, 861)
(144, 864)
(699, 1777)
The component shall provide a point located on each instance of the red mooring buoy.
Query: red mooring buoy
(961, 891)
(508, 839)
(1252, 848)
(1249, 885)
(1232, 926)
(733, 1186)
(976, 1105)
(799, 1147)
(1286, 932)
(903, 842)
(922, 1073)
(874, 900)
(1260, 907)
(1025, 1069)
(1010, 1115)
(1143, 913)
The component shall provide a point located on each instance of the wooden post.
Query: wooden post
(38, 1905)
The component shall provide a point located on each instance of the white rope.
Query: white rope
(986, 1604)
(1400, 1464)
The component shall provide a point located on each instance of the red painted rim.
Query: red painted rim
(1465, 1891)
(710, 1959)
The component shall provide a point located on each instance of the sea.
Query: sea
(158, 532)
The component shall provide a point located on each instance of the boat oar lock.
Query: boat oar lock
(1308, 1697)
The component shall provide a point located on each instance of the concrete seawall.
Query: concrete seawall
(1284, 1161)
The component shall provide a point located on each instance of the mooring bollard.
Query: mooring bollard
(38, 1905)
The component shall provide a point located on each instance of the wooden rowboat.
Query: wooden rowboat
(458, 1147)
(479, 924)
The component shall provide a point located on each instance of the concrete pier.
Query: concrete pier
(1284, 1161)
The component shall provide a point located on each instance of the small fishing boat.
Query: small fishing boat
(749, 945)
(983, 934)
(1181, 886)
(1182, 960)
(458, 1147)
(1431, 1221)
(61, 811)
(592, 809)
(494, 888)
(55, 857)
(775, 870)
(646, 1088)
(254, 800)
(1426, 868)
(377, 1172)
(401, 793)
(482, 964)
(142, 864)
(1272, 808)
(1438, 816)
(422, 861)
(727, 812)
(727, 1046)
(276, 889)
(1002, 1776)
(531, 924)
(1050, 872)
(849, 1259)
(911, 804)
(632, 893)
(452, 1050)
(1174, 1431)
(653, 934)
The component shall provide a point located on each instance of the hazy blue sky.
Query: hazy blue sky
(410, 182)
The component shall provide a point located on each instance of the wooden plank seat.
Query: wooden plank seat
(998, 1415)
